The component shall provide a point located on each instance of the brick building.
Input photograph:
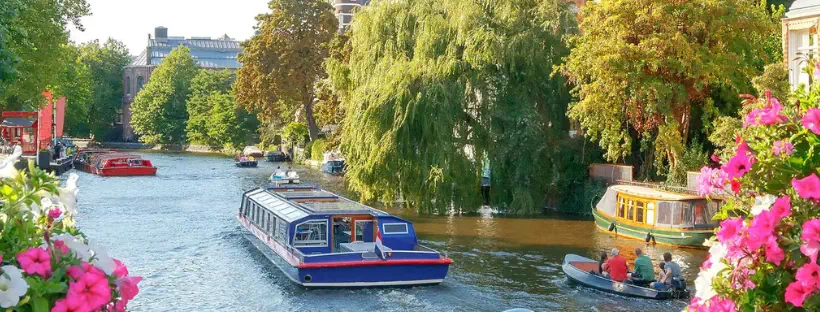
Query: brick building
(220, 53)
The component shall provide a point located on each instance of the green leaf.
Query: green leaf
(39, 304)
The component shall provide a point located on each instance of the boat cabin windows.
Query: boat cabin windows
(311, 234)
(281, 232)
(690, 213)
(636, 209)
(395, 228)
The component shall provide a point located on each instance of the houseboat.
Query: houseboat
(322, 240)
(121, 164)
(655, 215)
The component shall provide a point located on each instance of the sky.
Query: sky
(132, 21)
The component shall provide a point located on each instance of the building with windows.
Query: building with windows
(345, 9)
(220, 53)
(800, 39)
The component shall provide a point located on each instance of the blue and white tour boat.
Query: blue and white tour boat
(320, 239)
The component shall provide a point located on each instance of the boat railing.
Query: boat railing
(660, 186)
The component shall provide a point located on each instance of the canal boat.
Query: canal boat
(322, 240)
(655, 215)
(245, 161)
(584, 271)
(84, 159)
(122, 164)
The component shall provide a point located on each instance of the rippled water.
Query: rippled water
(178, 231)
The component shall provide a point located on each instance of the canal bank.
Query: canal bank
(178, 230)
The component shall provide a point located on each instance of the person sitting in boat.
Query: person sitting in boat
(279, 174)
(601, 264)
(662, 266)
(671, 272)
(616, 266)
(643, 271)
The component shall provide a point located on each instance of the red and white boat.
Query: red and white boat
(121, 164)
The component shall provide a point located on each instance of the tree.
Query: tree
(642, 66)
(106, 64)
(223, 124)
(295, 132)
(204, 84)
(283, 61)
(77, 85)
(32, 36)
(159, 113)
(432, 87)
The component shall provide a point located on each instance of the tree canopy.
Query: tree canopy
(106, 63)
(641, 66)
(214, 118)
(32, 38)
(281, 64)
(432, 88)
(159, 112)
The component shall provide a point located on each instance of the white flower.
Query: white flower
(78, 247)
(12, 286)
(703, 283)
(7, 169)
(68, 194)
(763, 203)
(101, 259)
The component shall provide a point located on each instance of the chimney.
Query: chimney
(161, 33)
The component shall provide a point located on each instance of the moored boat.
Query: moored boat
(584, 271)
(333, 163)
(252, 151)
(320, 239)
(122, 164)
(655, 215)
(85, 157)
(275, 156)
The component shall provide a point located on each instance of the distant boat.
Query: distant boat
(253, 151)
(284, 177)
(276, 156)
(578, 270)
(655, 215)
(333, 163)
(322, 240)
(245, 161)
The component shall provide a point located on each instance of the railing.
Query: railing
(660, 186)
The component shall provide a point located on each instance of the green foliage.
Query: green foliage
(77, 85)
(723, 137)
(159, 113)
(693, 158)
(295, 132)
(432, 87)
(775, 78)
(318, 149)
(281, 64)
(106, 63)
(208, 90)
(642, 67)
(223, 124)
(32, 36)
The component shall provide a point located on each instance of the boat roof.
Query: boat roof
(654, 193)
(118, 155)
(294, 203)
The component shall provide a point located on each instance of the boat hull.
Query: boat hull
(348, 274)
(247, 164)
(129, 171)
(674, 237)
(575, 274)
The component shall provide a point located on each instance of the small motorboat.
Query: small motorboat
(584, 271)
(333, 163)
(245, 161)
(276, 156)
(284, 177)
(253, 151)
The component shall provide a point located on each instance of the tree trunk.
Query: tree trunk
(313, 128)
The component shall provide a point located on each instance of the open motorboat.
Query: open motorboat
(245, 161)
(284, 177)
(584, 271)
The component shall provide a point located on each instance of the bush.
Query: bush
(308, 149)
(317, 149)
(46, 256)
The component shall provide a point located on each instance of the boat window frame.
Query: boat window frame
(281, 234)
(406, 228)
(630, 203)
(296, 243)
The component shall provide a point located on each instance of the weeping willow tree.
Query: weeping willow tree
(433, 90)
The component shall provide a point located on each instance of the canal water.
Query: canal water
(178, 231)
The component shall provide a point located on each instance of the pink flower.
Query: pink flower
(761, 229)
(817, 70)
(717, 304)
(715, 158)
(93, 287)
(77, 271)
(72, 303)
(120, 270)
(809, 274)
(811, 120)
(797, 292)
(782, 147)
(60, 245)
(808, 187)
(741, 163)
(128, 287)
(774, 253)
(54, 213)
(35, 261)
(768, 115)
(730, 229)
(782, 208)
(811, 239)
(711, 181)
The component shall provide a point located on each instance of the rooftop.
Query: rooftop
(209, 53)
(653, 193)
(802, 8)
(294, 203)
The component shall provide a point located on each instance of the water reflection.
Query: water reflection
(179, 232)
